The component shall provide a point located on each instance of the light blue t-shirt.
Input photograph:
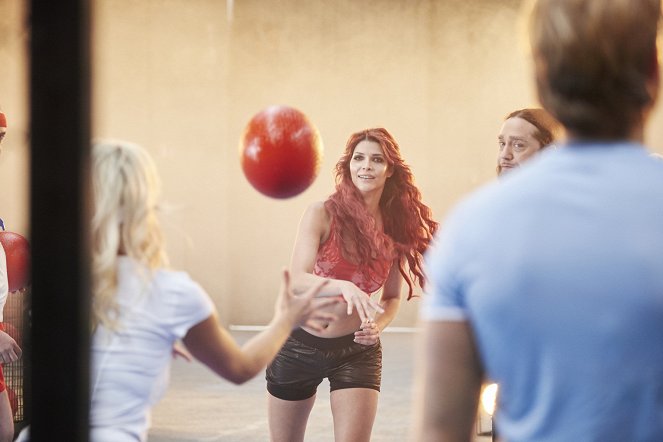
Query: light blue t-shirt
(558, 267)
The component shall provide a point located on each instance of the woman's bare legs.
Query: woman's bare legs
(287, 419)
(354, 411)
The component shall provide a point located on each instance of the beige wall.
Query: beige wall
(183, 77)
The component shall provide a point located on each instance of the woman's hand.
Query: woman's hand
(304, 309)
(368, 334)
(361, 301)
(179, 351)
(9, 349)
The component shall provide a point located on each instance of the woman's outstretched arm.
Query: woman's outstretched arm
(210, 343)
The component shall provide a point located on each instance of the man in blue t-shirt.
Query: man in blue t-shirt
(550, 283)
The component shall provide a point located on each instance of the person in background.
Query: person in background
(3, 133)
(3, 127)
(550, 282)
(524, 133)
(9, 349)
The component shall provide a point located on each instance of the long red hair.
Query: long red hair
(408, 224)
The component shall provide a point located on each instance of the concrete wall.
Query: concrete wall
(183, 77)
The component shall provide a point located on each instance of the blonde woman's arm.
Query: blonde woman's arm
(212, 344)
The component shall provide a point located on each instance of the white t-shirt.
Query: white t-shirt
(131, 367)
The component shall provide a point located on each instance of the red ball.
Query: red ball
(280, 152)
(17, 250)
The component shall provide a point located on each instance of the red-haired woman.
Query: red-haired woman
(370, 234)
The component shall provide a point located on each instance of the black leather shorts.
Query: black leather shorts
(305, 360)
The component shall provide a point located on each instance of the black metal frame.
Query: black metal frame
(57, 356)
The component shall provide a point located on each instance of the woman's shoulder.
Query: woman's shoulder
(317, 219)
(181, 301)
(318, 208)
(317, 213)
(178, 279)
(179, 288)
(163, 277)
(167, 286)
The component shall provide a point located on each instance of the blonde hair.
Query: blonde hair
(594, 60)
(126, 188)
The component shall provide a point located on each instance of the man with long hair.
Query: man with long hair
(524, 133)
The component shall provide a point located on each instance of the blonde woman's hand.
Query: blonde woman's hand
(360, 301)
(304, 309)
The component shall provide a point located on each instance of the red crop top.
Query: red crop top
(330, 263)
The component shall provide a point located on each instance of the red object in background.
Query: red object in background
(17, 250)
(281, 151)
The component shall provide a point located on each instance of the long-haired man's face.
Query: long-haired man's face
(516, 144)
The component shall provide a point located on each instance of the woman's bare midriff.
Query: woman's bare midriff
(343, 325)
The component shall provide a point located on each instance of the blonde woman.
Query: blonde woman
(140, 308)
